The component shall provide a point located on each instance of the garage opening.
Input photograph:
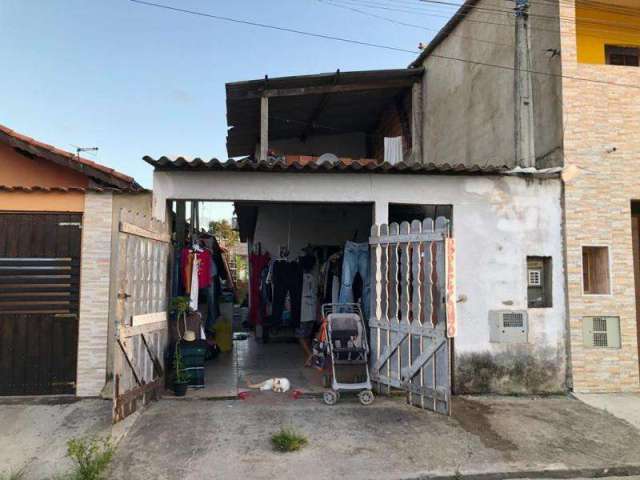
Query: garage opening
(269, 268)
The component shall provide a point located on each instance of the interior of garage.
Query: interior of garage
(264, 324)
(264, 321)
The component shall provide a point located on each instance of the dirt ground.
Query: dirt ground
(231, 439)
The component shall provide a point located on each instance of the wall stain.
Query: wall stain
(512, 372)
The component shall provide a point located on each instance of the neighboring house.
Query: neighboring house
(555, 84)
(58, 225)
(329, 155)
(602, 190)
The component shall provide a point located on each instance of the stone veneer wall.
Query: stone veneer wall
(599, 186)
(94, 293)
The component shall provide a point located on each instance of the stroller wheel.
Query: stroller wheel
(330, 397)
(366, 397)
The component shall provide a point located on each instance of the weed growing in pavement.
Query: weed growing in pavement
(288, 440)
(91, 457)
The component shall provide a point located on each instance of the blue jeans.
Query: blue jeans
(356, 260)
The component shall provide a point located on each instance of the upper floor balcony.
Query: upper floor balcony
(608, 32)
(367, 116)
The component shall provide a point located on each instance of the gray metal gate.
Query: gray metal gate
(413, 310)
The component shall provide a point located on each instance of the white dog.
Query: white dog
(279, 385)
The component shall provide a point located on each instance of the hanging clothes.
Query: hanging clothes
(204, 268)
(257, 264)
(286, 280)
(355, 261)
(330, 278)
(193, 303)
(186, 268)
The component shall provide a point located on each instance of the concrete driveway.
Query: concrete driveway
(34, 434)
(176, 439)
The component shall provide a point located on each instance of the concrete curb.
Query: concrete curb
(619, 471)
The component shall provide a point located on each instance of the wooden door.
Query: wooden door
(143, 254)
(39, 299)
(413, 310)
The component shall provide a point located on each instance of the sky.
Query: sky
(136, 80)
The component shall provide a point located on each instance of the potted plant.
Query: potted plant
(180, 307)
(181, 379)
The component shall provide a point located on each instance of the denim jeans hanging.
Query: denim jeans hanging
(356, 260)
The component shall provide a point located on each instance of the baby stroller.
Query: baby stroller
(348, 350)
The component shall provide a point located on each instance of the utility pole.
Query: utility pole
(525, 137)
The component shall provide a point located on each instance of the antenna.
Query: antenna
(85, 149)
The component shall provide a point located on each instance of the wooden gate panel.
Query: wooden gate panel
(143, 252)
(410, 348)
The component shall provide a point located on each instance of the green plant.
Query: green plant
(180, 305)
(91, 456)
(288, 440)
(181, 376)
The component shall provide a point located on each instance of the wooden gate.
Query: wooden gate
(143, 253)
(39, 295)
(413, 310)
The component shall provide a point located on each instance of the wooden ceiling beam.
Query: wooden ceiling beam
(322, 89)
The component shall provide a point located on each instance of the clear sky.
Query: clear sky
(136, 80)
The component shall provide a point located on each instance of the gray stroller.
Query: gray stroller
(348, 351)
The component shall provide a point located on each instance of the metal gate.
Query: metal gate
(142, 329)
(39, 301)
(413, 310)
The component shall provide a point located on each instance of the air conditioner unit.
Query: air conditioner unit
(601, 332)
(508, 326)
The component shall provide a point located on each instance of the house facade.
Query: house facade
(59, 221)
(553, 85)
(328, 156)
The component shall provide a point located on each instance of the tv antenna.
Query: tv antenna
(79, 150)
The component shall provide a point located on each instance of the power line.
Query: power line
(467, 16)
(411, 25)
(386, 47)
(273, 27)
(414, 8)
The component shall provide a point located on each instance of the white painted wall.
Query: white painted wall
(498, 222)
(299, 225)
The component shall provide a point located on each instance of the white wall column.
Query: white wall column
(381, 212)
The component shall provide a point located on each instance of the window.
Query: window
(595, 271)
(601, 332)
(539, 283)
(626, 56)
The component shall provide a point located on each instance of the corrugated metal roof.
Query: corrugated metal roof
(342, 166)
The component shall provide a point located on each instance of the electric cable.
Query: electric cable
(386, 47)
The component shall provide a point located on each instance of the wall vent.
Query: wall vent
(535, 278)
(601, 332)
(508, 326)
